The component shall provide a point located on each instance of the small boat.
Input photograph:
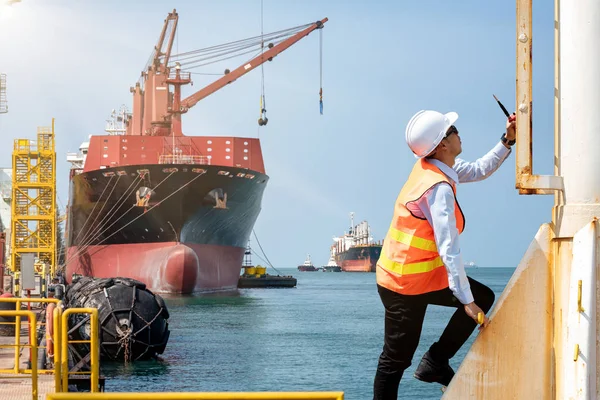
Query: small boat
(331, 264)
(307, 266)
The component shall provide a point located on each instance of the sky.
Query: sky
(382, 62)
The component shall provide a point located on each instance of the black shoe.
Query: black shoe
(433, 371)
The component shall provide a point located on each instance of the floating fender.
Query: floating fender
(132, 320)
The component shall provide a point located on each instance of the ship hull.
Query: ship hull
(168, 267)
(306, 269)
(359, 258)
(188, 235)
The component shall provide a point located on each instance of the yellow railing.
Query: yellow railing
(94, 348)
(32, 331)
(32, 346)
(200, 396)
(60, 340)
(183, 159)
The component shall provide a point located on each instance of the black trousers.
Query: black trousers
(403, 322)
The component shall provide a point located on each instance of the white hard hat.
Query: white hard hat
(426, 129)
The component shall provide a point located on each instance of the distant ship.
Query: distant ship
(356, 251)
(307, 266)
(471, 264)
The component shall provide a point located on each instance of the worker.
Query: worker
(421, 262)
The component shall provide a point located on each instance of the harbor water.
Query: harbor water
(325, 334)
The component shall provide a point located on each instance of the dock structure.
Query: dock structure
(257, 277)
(19, 386)
(542, 339)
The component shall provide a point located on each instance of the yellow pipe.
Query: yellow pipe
(33, 354)
(95, 350)
(200, 396)
(27, 300)
(17, 336)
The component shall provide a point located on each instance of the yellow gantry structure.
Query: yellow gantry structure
(34, 199)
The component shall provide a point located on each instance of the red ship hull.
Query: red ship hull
(359, 258)
(366, 265)
(166, 267)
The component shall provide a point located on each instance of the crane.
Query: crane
(157, 111)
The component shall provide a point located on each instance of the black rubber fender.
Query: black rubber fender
(132, 320)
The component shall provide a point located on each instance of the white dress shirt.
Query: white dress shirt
(437, 206)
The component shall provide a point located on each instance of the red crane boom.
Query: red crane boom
(156, 113)
(190, 101)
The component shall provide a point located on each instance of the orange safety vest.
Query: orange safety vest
(409, 262)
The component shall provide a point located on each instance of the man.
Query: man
(421, 263)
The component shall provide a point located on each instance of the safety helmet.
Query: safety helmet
(426, 129)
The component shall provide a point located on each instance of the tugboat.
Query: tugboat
(307, 266)
(331, 264)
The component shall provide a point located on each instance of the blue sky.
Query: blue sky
(382, 62)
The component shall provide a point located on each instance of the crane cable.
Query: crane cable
(262, 119)
(321, 70)
(264, 254)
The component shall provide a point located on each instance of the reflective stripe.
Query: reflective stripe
(413, 284)
(411, 240)
(412, 268)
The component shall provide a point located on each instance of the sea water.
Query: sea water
(324, 335)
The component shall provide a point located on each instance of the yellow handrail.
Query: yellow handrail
(61, 341)
(32, 346)
(94, 346)
(17, 323)
(200, 396)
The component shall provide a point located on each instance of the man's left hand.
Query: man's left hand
(511, 124)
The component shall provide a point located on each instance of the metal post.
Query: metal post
(578, 101)
(17, 336)
(526, 181)
(579, 119)
(28, 291)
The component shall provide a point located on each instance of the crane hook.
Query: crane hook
(262, 120)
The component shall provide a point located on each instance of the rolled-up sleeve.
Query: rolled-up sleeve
(437, 205)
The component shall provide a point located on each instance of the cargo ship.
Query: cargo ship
(150, 203)
(355, 250)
